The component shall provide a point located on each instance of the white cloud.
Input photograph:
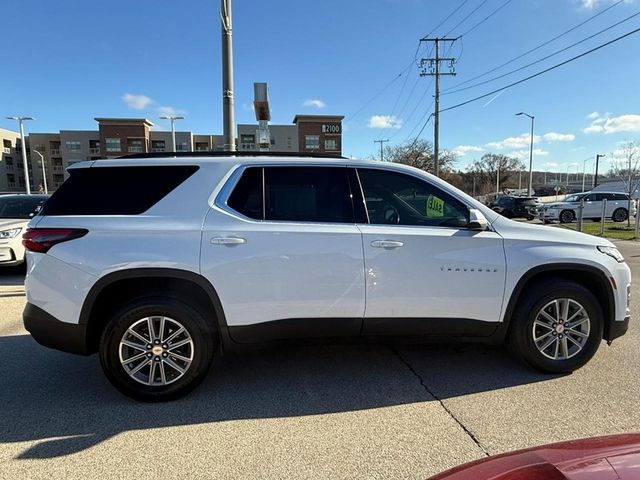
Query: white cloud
(166, 111)
(384, 121)
(513, 142)
(591, 4)
(135, 101)
(462, 150)
(559, 137)
(622, 123)
(314, 102)
(524, 153)
(593, 115)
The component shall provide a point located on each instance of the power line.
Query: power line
(448, 17)
(537, 47)
(467, 17)
(420, 132)
(419, 121)
(617, 39)
(380, 92)
(486, 18)
(449, 91)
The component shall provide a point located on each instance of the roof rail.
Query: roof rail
(218, 153)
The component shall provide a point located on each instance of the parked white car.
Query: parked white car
(160, 264)
(15, 213)
(567, 210)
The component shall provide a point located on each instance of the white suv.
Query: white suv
(566, 211)
(159, 264)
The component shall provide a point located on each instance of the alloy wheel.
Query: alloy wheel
(156, 351)
(561, 329)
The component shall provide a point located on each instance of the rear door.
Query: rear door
(284, 253)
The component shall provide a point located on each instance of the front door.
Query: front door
(426, 272)
(285, 255)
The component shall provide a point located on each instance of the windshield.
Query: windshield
(576, 197)
(20, 208)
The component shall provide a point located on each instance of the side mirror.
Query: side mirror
(477, 220)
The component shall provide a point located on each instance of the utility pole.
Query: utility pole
(431, 67)
(227, 78)
(595, 177)
(381, 142)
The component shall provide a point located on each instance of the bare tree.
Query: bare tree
(625, 165)
(419, 153)
(486, 171)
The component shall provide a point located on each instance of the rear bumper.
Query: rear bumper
(51, 332)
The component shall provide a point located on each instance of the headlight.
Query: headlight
(613, 252)
(10, 233)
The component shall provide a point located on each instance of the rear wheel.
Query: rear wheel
(557, 328)
(619, 215)
(157, 349)
(567, 216)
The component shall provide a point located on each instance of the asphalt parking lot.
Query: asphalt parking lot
(341, 411)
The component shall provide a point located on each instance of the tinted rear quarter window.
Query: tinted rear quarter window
(115, 190)
(246, 197)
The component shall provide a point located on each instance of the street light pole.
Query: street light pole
(44, 174)
(497, 180)
(173, 119)
(529, 189)
(24, 149)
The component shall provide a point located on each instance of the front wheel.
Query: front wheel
(157, 349)
(619, 215)
(567, 216)
(558, 327)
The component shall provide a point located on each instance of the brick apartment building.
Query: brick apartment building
(121, 136)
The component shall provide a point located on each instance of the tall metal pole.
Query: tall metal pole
(434, 64)
(381, 151)
(595, 176)
(497, 180)
(173, 119)
(24, 149)
(530, 187)
(228, 121)
(584, 172)
(44, 174)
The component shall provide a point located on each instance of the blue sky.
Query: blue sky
(80, 60)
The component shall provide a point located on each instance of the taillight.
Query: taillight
(42, 239)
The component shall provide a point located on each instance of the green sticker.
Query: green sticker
(435, 207)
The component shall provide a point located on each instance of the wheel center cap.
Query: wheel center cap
(559, 328)
(157, 350)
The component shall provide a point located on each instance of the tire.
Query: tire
(530, 217)
(199, 339)
(566, 216)
(619, 215)
(521, 339)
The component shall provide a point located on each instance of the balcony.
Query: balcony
(6, 149)
(134, 149)
(57, 168)
(157, 149)
(9, 168)
(95, 150)
(55, 151)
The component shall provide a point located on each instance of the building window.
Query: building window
(289, 142)
(113, 144)
(182, 146)
(312, 142)
(6, 146)
(8, 160)
(55, 148)
(73, 146)
(330, 144)
(247, 142)
(157, 145)
(135, 145)
(273, 141)
(94, 146)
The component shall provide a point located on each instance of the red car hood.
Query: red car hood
(615, 457)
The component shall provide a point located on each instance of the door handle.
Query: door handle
(387, 244)
(228, 240)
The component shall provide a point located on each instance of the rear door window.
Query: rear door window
(115, 190)
(308, 194)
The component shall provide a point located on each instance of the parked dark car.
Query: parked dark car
(517, 207)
